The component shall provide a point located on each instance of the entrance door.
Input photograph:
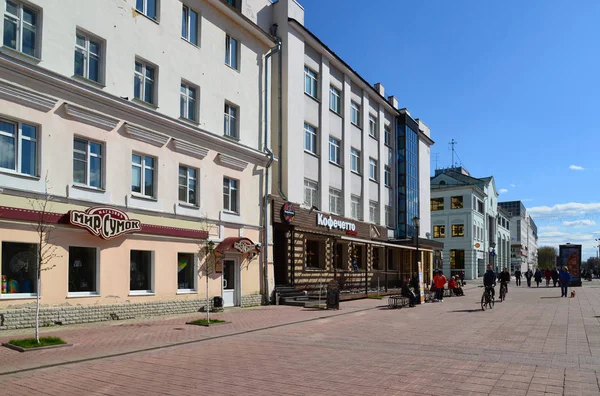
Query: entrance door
(230, 276)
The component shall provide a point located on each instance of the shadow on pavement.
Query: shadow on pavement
(468, 310)
(550, 297)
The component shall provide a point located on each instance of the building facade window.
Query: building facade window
(355, 113)
(389, 217)
(387, 176)
(310, 138)
(340, 263)
(314, 254)
(457, 261)
(355, 160)
(457, 202)
(407, 174)
(87, 163)
(373, 169)
(83, 270)
(186, 272)
(372, 126)
(480, 206)
(88, 57)
(439, 231)
(230, 195)
(21, 28)
(144, 79)
(18, 147)
(311, 193)
(336, 202)
(148, 8)
(140, 272)
(358, 256)
(189, 25)
(387, 136)
(19, 268)
(311, 82)
(187, 185)
(335, 100)
(458, 230)
(335, 152)
(377, 258)
(230, 124)
(187, 102)
(374, 212)
(142, 175)
(355, 206)
(232, 50)
(474, 232)
(437, 204)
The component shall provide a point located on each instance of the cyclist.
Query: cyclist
(489, 280)
(504, 278)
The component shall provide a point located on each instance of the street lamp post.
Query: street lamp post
(598, 252)
(492, 254)
(416, 223)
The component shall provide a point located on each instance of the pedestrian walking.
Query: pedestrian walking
(554, 276)
(538, 277)
(528, 276)
(462, 277)
(548, 276)
(414, 282)
(440, 281)
(518, 277)
(564, 278)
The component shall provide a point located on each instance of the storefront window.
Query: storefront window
(83, 271)
(391, 264)
(314, 254)
(19, 268)
(358, 256)
(186, 273)
(339, 255)
(140, 275)
(376, 258)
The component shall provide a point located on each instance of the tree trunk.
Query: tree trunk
(37, 308)
(207, 301)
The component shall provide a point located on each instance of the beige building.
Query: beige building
(146, 119)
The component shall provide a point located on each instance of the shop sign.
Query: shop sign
(104, 222)
(350, 232)
(288, 212)
(244, 246)
(477, 245)
(330, 223)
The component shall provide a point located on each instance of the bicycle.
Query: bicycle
(486, 299)
(502, 292)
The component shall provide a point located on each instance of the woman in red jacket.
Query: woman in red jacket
(548, 275)
(440, 282)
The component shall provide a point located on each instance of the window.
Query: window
(374, 212)
(310, 138)
(235, 4)
(144, 78)
(373, 169)
(339, 255)
(457, 260)
(148, 8)
(142, 175)
(389, 216)
(230, 195)
(376, 258)
(355, 160)
(355, 113)
(20, 28)
(311, 193)
(18, 147)
(140, 272)
(457, 202)
(83, 270)
(357, 256)
(439, 231)
(458, 230)
(356, 212)
(480, 206)
(335, 155)
(372, 126)
(19, 268)
(187, 185)
(474, 203)
(387, 176)
(335, 201)
(87, 163)
(232, 52)
(186, 272)
(437, 204)
(311, 82)
(189, 25)
(88, 57)
(387, 135)
(187, 102)
(474, 232)
(335, 99)
(314, 254)
(230, 121)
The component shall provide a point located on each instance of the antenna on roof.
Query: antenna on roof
(436, 156)
(453, 143)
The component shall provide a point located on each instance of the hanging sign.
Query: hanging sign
(106, 223)
(477, 245)
(288, 212)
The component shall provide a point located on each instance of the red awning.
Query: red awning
(240, 245)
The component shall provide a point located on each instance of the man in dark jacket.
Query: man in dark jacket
(518, 277)
(489, 279)
(528, 275)
(554, 276)
(414, 282)
(505, 278)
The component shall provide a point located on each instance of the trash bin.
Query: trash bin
(217, 302)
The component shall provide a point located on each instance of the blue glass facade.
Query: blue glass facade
(407, 164)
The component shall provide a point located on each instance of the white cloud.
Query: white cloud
(547, 229)
(556, 238)
(502, 191)
(513, 185)
(568, 209)
(579, 223)
(576, 167)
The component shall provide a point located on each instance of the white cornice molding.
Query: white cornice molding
(244, 22)
(146, 135)
(190, 149)
(66, 86)
(90, 117)
(232, 162)
(25, 97)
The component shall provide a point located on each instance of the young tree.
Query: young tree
(547, 257)
(46, 249)
(209, 266)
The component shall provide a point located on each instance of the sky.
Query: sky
(515, 83)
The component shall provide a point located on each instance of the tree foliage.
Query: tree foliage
(547, 257)
(593, 263)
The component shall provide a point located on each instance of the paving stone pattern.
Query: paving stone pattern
(535, 343)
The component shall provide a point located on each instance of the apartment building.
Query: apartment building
(144, 119)
(523, 236)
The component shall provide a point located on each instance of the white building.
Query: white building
(523, 236)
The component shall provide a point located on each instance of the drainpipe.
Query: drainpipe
(270, 155)
(280, 121)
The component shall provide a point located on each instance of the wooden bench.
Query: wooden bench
(397, 301)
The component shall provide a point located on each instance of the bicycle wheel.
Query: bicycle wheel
(502, 294)
(483, 302)
(491, 302)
